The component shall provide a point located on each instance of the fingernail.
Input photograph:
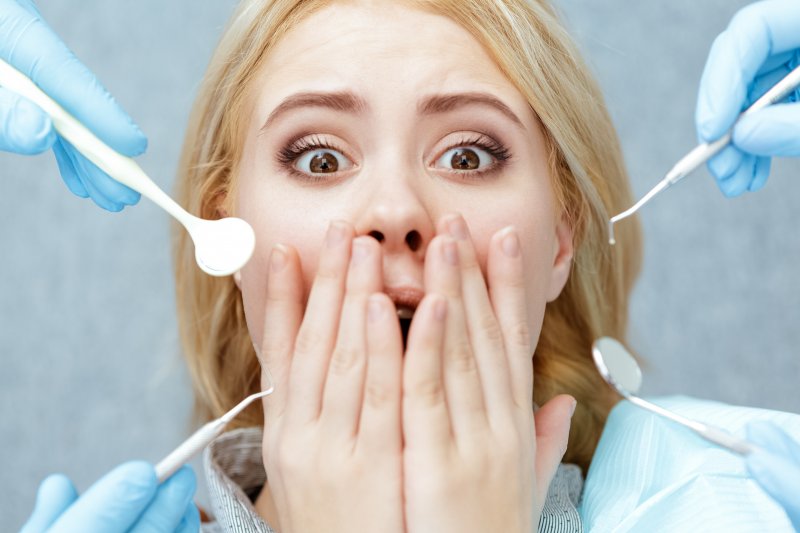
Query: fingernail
(360, 251)
(572, 409)
(374, 308)
(511, 243)
(457, 228)
(278, 259)
(336, 233)
(450, 252)
(440, 309)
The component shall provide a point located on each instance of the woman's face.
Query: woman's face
(390, 118)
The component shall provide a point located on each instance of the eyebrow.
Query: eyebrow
(349, 102)
(442, 103)
(338, 101)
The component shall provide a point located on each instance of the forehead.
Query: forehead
(382, 50)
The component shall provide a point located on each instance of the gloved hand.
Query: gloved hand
(776, 466)
(126, 499)
(29, 45)
(760, 46)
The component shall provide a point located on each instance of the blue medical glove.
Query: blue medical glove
(126, 499)
(29, 45)
(760, 46)
(776, 466)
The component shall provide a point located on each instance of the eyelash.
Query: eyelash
(494, 148)
(288, 155)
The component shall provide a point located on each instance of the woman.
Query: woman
(449, 163)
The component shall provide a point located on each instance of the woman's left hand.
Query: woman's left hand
(475, 459)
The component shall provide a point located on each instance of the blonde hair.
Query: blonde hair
(536, 54)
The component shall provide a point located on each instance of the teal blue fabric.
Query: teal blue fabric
(650, 474)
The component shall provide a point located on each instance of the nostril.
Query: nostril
(414, 240)
(377, 235)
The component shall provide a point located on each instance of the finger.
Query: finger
(24, 128)
(772, 131)
(113, 503)
(379, 427)
(167, 509)
(484, 330)
(755, 33)
(283, 312)
(426, 419)
(55, 495)
(768, 79)
(67, 171)
(553, 421)
(461, 378)
(507, 282)
(726, 163)
(739, 182)
(344, 387)
(760, 174)
(104, 191)
(317, 333)
(190, 523)
(31, 47)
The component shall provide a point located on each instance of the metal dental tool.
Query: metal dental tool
(619, 369)
(221, 247)
(203, 436)
(706, 151)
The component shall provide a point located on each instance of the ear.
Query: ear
(237, 279)
(563, 250)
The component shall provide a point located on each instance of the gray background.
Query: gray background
(91, 369)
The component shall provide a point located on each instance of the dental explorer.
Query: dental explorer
(203, 436)
(705, 151)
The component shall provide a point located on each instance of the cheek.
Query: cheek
(255, 275)
(537, 238)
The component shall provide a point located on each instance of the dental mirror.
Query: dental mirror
(620, 370)
(221, 247)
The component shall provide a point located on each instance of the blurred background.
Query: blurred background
(92, 374)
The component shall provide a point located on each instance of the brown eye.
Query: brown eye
(322, 162)
(465, 160)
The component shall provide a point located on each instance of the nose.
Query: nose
(398, 216)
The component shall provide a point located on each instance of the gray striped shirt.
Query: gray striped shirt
(235, 472)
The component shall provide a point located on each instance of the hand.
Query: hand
(126, 499)
(760, 46)
(776, 466)
(474, 458)
(29, 45)
(332, 443)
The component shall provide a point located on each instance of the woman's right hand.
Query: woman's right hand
(332, 433)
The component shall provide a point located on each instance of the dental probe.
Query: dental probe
(203, 436)
(705, 151)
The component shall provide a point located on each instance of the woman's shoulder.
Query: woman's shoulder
(651, 473)
(234, 474)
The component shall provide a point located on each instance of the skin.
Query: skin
(360, 434)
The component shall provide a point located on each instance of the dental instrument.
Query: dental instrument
(620, 370)
(222, 247)
(203, 436)
(705, 151)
